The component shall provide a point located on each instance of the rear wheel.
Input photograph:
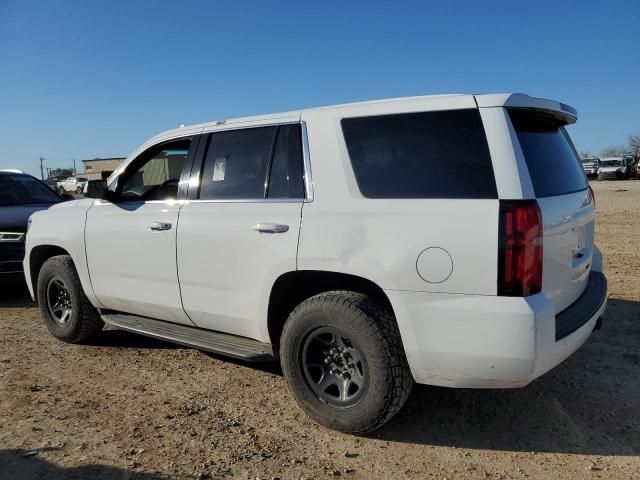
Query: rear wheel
(342, 357)
(65, 308)
(79, 190)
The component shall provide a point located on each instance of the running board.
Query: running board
(210, 341)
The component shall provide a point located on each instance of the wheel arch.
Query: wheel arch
(37, 256)
(292, 288)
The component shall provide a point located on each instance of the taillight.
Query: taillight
(593, 196)
(519, 248)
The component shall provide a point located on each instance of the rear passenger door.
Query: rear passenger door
(238, 232)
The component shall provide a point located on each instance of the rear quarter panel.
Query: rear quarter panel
(381, 239)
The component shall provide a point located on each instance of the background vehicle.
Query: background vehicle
(74, 184)
(617, 168)
(590, 165)
(632, 165)
(20, 196)
(446, 240)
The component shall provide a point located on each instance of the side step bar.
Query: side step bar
(210, 341)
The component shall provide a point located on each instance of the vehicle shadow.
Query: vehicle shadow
(123, 339)
(587, 405)
(26, 465)
(272, 367)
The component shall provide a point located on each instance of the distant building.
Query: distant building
(99, 168)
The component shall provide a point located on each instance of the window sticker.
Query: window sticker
(219, 168)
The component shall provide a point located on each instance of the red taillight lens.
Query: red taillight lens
(519, 248)
(593, 196)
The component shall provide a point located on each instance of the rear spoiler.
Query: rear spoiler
(520, 100)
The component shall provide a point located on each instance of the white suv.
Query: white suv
(444, 240)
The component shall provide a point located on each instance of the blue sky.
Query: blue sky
(88, 79)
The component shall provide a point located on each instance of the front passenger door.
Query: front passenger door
(131, 239)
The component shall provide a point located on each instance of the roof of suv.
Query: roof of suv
(512, 100)
(515, 100)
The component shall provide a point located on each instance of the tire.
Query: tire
(80, 321)
(79, 190)
(375, 356)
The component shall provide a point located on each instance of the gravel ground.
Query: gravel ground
(131, 407)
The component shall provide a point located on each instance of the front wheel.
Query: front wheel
(66, 311)
(343, 359)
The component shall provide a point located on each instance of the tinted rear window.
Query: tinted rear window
(553, 163)
(421, 155)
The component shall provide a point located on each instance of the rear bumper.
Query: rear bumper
(475, 341)
(610, 175)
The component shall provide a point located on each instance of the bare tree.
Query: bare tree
(584, 154)
(633, 143)
(613, 151)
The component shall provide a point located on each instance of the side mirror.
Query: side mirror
(96, 189)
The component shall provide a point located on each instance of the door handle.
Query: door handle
(270, 227)
(159, 226)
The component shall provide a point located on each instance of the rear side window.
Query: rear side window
(286, 177)
(421, 155)
(553, 163)
(236, 164)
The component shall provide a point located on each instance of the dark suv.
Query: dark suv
(20, 196)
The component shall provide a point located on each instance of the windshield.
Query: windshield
(616, 162)
(588, 160)
(23, 189)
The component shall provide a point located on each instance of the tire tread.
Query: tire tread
(380, 325)
(89, 321)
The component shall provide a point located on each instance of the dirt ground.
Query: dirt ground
(131, 407)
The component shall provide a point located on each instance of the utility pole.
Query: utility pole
(41, 168)
(74, 166)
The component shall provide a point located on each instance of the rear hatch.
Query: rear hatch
(565, 202)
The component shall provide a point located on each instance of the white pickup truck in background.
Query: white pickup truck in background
(72, 184)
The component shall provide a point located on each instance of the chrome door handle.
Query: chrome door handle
(159, 226)
(270, 227)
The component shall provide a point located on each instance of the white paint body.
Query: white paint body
(212, 270)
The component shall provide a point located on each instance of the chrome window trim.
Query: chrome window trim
(306, 161)
(247, 200)
(171, 201)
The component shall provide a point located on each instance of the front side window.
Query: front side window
(421, 155)
(156, 173)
